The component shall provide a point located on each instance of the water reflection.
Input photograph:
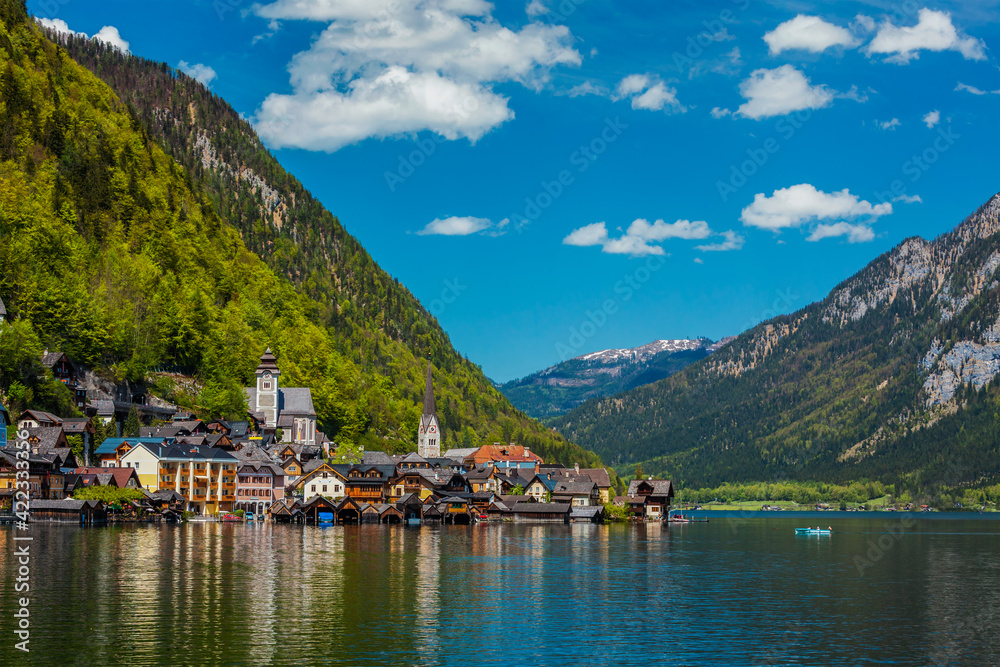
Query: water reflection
(506, 594)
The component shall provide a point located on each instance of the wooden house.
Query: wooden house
(649, 499)
(84, 512)
(541, 512)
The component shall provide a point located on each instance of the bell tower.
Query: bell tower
(429, 432)
(267, 389)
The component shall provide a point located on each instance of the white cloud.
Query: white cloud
(718, 112)
(909, 199)
(800, 204)
(932, 118)
(648, 92)
(854, 233)
(108, 34)
(809, 33)
(383, 68)
(975, 91)
(640, 238)
(699, 260)
(661, 231)
(586, 88)
(775, 92)
(934, 31)
(536, 8)
(889, 124)
(593, 234)
(198, 71)
(733, 241)
(463, 226)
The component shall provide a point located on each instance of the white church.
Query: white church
(429, 432)
(290, 408)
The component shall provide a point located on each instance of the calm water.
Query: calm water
(719, 593)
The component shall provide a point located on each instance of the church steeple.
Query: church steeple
(429, 393)
(429, 432)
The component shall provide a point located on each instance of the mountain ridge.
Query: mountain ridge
(557, 389)
(888, 365)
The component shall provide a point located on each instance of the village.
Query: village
(277, 467)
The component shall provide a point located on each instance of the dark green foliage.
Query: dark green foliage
(131, 427)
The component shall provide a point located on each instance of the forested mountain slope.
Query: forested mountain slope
(125, 259)
(891, 377)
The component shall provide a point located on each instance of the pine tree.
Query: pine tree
(131, 428)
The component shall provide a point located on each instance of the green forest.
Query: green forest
(135, 260)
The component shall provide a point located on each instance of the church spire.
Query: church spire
(429, 408)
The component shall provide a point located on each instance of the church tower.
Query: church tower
(267, 389)
(429, 433)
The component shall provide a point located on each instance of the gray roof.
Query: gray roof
(573, 488)
(541, 508)
(661, 487)
(377, 459)
(413, 457)
(262, 466)
(50, 358)
(291, 400)
(67, 504)
(461, 453)
(3, 308)
(586, 512)
(48, 437)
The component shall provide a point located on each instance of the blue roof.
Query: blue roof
(111, 444)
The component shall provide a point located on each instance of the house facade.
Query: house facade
(204, 476)
(258, 485)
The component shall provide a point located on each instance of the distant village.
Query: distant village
(277, 467)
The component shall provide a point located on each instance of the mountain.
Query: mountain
(560, 388)
(891, 377)
(144, 229)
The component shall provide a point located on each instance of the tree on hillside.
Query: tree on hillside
(638, 471)
(132, 424)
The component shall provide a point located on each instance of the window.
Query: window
(324, 488)
(313, 489)
(266, 385)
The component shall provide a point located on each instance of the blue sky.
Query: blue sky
(556, 177)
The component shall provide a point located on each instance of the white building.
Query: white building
(290, 409)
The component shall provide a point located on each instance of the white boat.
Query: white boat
(813, 531)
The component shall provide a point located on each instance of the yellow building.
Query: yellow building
(205, 476)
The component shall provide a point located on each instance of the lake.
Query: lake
(732, 591)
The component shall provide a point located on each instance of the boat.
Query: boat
(813, 531)
(680, 518)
